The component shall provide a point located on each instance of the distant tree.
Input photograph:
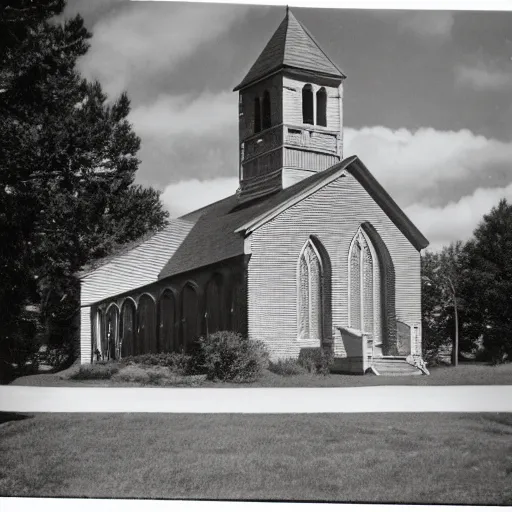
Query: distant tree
(490, 255)
(67, 169)
(444, 277)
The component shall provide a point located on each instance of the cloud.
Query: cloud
(186, 137)
(458, 219)
(187, 115)
(189, 195)
(428, 165)
(484, 77)
(142, 40)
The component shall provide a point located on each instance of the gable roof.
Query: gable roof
(291, 46)
(217, 232)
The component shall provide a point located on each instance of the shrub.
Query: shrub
(288, 366)
(315, 360)
(230, 357)
(97, 371)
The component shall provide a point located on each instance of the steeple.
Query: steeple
(290, 112)
(291, 46)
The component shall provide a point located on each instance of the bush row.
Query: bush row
(224, 356)
(221, 356)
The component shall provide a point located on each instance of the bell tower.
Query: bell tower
(290, 113)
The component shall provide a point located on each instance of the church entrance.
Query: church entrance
(365, 287)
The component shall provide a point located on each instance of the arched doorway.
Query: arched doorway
(189, 317)
(112, 332)
(146, 326)
(214, 303)
(167, 322)
(127, 328)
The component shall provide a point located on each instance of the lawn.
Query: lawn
(412, 458)
(464, 374)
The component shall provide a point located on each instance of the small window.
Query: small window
(267, 118)
(307, 104)
(257, 115)
(321, 107)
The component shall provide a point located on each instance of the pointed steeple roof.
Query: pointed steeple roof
(291, 46)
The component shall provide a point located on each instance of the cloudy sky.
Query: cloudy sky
(427, 98)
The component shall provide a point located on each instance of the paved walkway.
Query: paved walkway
(258, 400)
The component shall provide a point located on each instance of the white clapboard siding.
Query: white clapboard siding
(333, 214)
(137, 267)
(85, 335)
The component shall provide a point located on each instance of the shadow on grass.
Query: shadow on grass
(13, 416)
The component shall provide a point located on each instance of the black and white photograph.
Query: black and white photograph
(255, 252)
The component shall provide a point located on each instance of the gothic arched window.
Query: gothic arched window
(309, 293)
(364, 287)
(257, 115)
(307, 104)
(267, 118)
(321, 107)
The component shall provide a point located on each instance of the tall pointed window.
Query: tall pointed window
(257, 115)
(364, 287)
(321, 107)
(309, 293)
(307, 104)
(267, 117)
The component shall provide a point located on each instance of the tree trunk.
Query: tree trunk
(455, 348)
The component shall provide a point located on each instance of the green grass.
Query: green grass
(411, 458)
(465, 374)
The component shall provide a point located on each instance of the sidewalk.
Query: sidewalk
(258, 400)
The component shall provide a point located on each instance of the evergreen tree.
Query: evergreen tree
(67, 169)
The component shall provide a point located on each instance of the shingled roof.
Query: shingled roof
(291, 46)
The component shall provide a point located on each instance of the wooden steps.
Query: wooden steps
(394, 366)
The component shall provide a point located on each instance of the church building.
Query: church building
(309, 251)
